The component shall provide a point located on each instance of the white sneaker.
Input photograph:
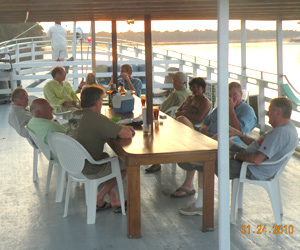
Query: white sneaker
(191, 210)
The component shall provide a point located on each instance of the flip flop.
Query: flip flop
(105, 206)
(119, 209)
(181, 189)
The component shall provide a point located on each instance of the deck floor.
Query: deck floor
(32, 220)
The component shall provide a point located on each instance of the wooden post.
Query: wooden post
(93, 47)
(114, 51)
(148, 57)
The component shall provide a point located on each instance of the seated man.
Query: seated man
(271, 146)
(60, 92)
(180, 93)
(176, 98)
(19, 115)
(92, 129)
(241, 117)
(41, 123)
(129, 82)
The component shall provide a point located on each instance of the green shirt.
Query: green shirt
(176, 98)
(57, 94)
(43, 127)
(91, 130)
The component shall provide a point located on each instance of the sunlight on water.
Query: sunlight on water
(260, 56)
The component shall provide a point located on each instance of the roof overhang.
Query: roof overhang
(14, 11)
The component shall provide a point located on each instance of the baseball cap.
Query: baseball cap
(178, 76)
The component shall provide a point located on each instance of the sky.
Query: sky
(122, 26)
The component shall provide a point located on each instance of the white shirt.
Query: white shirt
(58, 35)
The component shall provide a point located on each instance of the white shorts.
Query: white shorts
(59, 54)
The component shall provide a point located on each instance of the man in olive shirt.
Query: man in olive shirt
(91, 129)
(177, 97)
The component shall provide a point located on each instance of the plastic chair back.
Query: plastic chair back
(71, 154)
(41, 145)
(171, 111)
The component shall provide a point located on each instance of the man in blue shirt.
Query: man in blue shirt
(129, 82)
(241, 117)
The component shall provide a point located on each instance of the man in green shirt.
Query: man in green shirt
(177, 97)
(92, 129)
(60, 92)
(41, 123)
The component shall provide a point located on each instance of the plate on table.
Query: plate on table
(125, 121)
(137, 121)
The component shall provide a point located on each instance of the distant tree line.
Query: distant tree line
(10, 31)
(198, 35)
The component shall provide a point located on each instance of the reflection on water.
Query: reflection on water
(260, 56)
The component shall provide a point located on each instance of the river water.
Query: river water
(260, 56)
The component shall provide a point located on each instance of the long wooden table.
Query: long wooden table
(170, 142)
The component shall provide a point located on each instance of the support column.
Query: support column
(148, 58)
(279, 39)
(243, 54)
(114, 51)
(223, 124)
(93, 48)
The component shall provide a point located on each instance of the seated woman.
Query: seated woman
(192, 111)
(195, 107)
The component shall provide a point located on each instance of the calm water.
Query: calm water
(260, 56)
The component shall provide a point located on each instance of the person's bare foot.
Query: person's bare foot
(183, 192)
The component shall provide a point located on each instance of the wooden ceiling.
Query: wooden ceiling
(13, 11)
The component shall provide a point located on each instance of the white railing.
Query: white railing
(31, 59)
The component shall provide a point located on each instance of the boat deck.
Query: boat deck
(32, 220)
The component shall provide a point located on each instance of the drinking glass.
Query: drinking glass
(143, 100)
(155, 113)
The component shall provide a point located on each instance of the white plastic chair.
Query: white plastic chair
(36, 152)
(45, 149)
(172, 111)
(72, 155)
(271, 186)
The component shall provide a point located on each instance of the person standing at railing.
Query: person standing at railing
(58, 42)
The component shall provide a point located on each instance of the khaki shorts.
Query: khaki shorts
(101, 170)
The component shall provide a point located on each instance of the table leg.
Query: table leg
(208, 196)
(133, 202)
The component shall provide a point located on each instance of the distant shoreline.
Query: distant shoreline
(215, 42)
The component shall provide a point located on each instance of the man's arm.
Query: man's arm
(130, 85)
(126, 132)
(169, 102)
(255, 158)
(246, 139)
(233, 120)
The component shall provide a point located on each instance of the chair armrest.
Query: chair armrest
(110, 159)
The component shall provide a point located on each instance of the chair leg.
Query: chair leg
(67, 196)
(240, 195)
(60, 185)
(50, 167)
(121, 192)
(35, 162)
(279, 196)
(272, 191)
(234, 195)
(92, 189)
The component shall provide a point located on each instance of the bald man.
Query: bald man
(19, 114)
(41, 123)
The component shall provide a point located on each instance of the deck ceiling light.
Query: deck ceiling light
(130, 21)
(27, 15)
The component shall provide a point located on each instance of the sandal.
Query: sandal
(105, 206)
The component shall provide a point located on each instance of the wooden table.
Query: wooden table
(170, 142)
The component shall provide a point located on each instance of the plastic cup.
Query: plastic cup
(143, 100)
(155, 113)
